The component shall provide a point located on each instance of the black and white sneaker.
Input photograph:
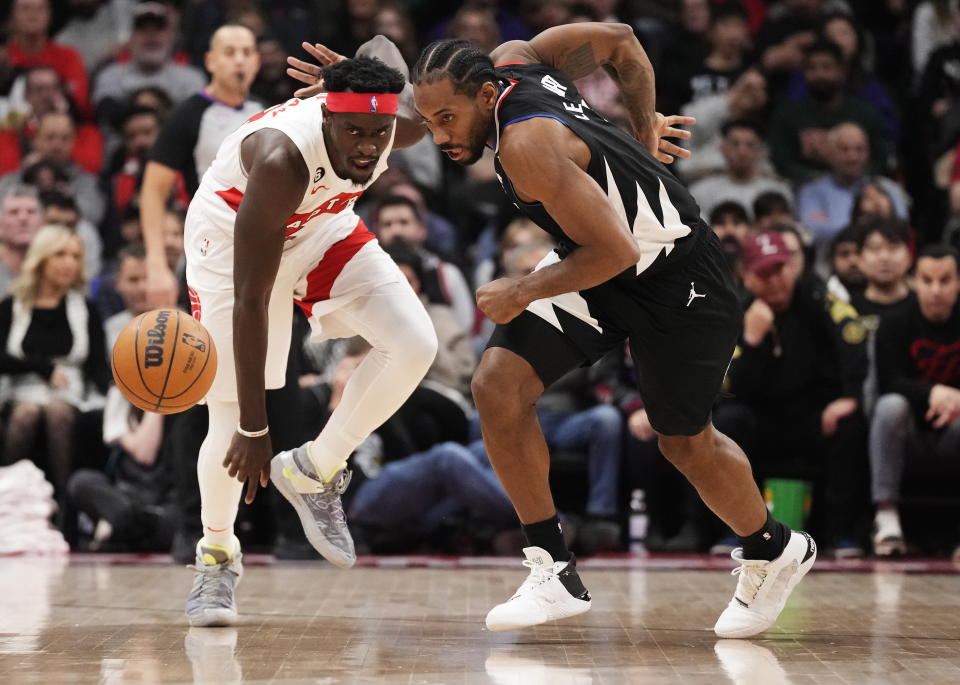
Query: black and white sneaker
(552, 591)
(764, 587)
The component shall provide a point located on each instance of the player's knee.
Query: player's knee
(892, 408)
(685, 452)
(418, 348)
(606, 418)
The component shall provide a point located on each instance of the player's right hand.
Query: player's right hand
(162, 286)
(248, 459)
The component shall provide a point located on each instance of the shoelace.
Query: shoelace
(539, 574)
(211, 590)
(752, 576)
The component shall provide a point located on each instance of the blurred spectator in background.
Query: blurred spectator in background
(687, 44)
(743, 180)
(917, 419)
(30, 46)
(477, 24)
(745, 100)
(153, 98)
(934, 25)
(53, 350)
(150, 64)
(131, 286)
(769, 209)
(825, 205)
(798, 138)
(784, 38)
(21, 217)
(840, 28)
(52, 144)
(397, 218)
(392, 21)
(729, 40)
(96, 29)
(44, 93)
(797, 377)
(846, 277)
(61, 210)
(272, 85)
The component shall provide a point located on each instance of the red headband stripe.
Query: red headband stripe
(363, 103)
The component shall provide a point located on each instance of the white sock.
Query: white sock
(888, 521)
(219, 493)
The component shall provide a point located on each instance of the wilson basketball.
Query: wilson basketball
(164, 361)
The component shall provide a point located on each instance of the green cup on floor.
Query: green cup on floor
(788, 500)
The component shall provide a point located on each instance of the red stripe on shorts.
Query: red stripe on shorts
(194, 303)
(321, 278)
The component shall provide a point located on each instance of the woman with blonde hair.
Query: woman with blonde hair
(52, 351)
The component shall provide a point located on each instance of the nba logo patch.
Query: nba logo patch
(373, 104)
(204, 247)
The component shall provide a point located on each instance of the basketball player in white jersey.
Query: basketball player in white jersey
(271, 223)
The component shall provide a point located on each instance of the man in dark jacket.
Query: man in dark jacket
(796, 377)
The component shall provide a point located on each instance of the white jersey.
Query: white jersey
(328, 200)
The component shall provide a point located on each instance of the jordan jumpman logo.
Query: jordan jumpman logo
(694, 295)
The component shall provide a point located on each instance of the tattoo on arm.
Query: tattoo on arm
(579, 62)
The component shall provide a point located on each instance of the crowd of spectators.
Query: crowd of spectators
(826, 156)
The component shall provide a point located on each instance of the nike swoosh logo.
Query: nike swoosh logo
(314, 191)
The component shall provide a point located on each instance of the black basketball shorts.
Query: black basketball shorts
(682, 323)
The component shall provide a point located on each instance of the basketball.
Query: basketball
(164, 361)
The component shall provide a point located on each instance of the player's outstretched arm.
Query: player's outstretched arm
(545, 162)
(410, 125)
(277, 179)
(579, 49)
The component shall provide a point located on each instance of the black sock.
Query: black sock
(767, 543)
(548, 536)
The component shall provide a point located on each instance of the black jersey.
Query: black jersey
(662, 216)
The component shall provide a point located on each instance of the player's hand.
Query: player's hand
(835, 411)
(665, 127)
(639, 425)
(757, 322)
(248, 459)
(162, 286)
(500, 300)
(312, 74)
(944, 407)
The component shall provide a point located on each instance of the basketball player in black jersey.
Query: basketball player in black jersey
(634, 260)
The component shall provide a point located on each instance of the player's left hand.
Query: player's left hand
(664, 127)
(312, 74)
(248, 459)
(835, 411)
(500, 300)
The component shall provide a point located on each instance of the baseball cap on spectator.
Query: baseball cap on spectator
(150, 12)
(763, 253)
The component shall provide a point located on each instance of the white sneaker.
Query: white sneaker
(552, 591)
(888, 535)
(764, 587)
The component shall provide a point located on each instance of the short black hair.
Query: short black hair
(892, 229)
(751, 124)
(850, 234)
(936, 251)
(131, 251)
(362, 75)
(403, 254)
(728, 10)
(823, 46)
(140, 110)
(54, 198)
(770, 202)
(729, 208)
(397, 201)
(463, 63)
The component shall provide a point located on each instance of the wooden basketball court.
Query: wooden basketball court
(116, 620)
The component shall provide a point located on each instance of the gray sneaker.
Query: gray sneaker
(317, 504)
(212, 600)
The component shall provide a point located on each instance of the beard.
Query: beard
(822, 92)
